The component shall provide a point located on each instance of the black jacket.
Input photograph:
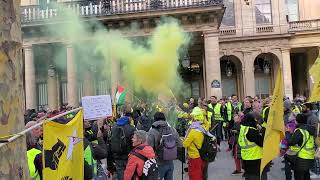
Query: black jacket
(297, 138)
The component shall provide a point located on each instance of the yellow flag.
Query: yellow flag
(315, 76)
(63, 149)
(275, 125)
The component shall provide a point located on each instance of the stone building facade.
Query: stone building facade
(238, 46)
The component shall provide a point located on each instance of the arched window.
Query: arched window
(229, 17)
(263, 12)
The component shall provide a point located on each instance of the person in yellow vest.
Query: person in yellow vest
(265, 112)
(236, 105)
(302, 139)
(296, 108)
(34, 157)
(216, 118)
(228, 124)
(90, 164)
(251, 141)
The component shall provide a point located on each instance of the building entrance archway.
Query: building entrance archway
(265, 71)
(231, 76)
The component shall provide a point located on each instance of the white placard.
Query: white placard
(96, 107)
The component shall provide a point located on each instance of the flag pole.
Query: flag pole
(37, 125)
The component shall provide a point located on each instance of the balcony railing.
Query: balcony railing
(228, 31)
(264, 29)
(109, 7)
(307, 25)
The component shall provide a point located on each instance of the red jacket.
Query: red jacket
(136, 164)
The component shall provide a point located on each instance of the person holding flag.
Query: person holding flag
(251, 142)
(303, 137)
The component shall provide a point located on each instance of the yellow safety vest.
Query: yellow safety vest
(217, 112)
(249, 150)
(239, 106)
(31, 155)
(307, 152)
(89, 159)
(293, 150)
(229, 113)
(296, 109)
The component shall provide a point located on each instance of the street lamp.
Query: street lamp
(228, 69)
(266, 66)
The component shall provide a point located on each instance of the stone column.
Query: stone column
(88, 84)
(287, 78)
(52, 89)
(14, 164)
(72, 94)
(247, 18)
(212, 64)
(248, 75)
(115, 77)
(30, 78)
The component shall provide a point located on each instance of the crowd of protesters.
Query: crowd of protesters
(158, 134)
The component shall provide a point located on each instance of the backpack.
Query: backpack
(150, 168)
(208, 150)
(167, 149)
(118, 141)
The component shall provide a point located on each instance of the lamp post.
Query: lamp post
(266, 65)
(228, 69)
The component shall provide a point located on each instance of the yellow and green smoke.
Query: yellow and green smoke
(152, 68)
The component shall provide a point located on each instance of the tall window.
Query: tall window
(293, 10)
(42, 89)
(103, 87)
(195, 89)
(80, 90)
(263, 12)
(64, 87)
(229, 17)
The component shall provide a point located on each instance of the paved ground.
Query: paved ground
(223, 166)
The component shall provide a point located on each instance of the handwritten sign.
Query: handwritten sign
(96, 107)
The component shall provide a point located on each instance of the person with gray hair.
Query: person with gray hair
(141, 154)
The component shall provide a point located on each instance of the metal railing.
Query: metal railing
(36, 13)
(307, 25)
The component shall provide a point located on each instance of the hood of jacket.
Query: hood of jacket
(160, 124)
(123, 121)
(197, 125)
(147, 151)
(310, 129)
(144, 119)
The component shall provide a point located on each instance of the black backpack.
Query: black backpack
(118, 141)
(167, 149)
(208, 150)
(150, 168)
